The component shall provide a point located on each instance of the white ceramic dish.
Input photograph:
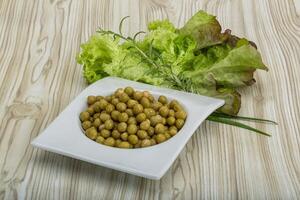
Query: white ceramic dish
(64, 135)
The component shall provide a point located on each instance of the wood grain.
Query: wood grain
(39, 76)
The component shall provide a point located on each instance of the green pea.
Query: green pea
(145, 125)
(115, 101)
(133, 139)
(122, 127)
(105, 133)
(162, 99)
(124, 145)
(90, 110)
(153, 141)
(118, 92)
(164, 111)
(150, 131)
(155, 120)
(99, 97)
(96, 108)
(86, 124)
(110, 141)
(104, 117)
(123, 117)
(138, 108)
(118, 142)
(129, 91)
(156, 105)
(159, 128)
(142, 134)
(131, 120)
(145, 102)
(109, 108)
(96, 115)
(100, 139)
(115, 115)
(177, 107)
(124, 136)
(149, 112)
(131, 103)
(173, 130)
(91, 100)
(124, 97)
(179, 123)
(91, 133)
(180, 114)
(109, 124)
(129, 112)
(171, 113)
(84, 116)
(141, 117)
(173, 103)
(97, 122)
(132, 129)
(146, 143)
(102, 103)
(115, 134)
(160, 138)
(121, 107)
(137, 95)
(171, 120)
(167, 135)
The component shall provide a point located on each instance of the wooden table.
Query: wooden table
(39, 77)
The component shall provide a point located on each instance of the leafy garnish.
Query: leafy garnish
(197, 58)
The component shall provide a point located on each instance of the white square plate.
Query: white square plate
(64, 135)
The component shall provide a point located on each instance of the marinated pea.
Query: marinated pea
(110, 141)
(123, 117)
(131, 119)
(86, 125)
(91, 133)
(124, 145)
(121, 107)
(145, 143)
(91, 100)
(132, 129)
(137, 108)
(129, 91)
(124, 136)
(162, 99)
(105, 133)
(133, 139)
(115, 134)
(109, 108)
(142, 134)
(97, 123)
(122, 127)
(100, 139)
(141, 117)
(84, 116)
(137, 95)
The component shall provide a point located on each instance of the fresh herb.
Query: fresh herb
(197, 58)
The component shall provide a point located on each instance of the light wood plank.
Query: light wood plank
(39, 76)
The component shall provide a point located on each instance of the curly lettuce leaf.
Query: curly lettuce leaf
(232, 68)
(205, 29)
(201, 58)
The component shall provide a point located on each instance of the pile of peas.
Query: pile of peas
(131, 119)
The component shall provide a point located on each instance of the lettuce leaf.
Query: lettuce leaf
(197, 58)
(205, 29)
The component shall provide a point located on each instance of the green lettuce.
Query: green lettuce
(197, 58)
